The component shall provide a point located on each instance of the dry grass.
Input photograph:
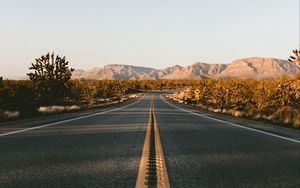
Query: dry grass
(9, 115)
(48, 110)
(57, 109)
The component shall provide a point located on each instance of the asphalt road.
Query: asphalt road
(103, 149)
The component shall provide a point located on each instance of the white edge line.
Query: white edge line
(233, 124)
(69, 120)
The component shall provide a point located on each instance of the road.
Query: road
(104, 149)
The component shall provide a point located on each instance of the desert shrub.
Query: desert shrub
(18, 96)
(273, 100)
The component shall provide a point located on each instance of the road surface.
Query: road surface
(104, 148)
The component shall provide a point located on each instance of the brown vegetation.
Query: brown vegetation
(50, 89)
(26, 97)
(277, 101)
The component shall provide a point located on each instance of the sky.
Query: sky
(152, 33)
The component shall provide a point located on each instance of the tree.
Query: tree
(295, 59)
(1, 82)
(50, 77)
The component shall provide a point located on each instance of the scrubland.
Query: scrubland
(276, 101)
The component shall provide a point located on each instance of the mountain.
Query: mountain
(196, 71)
(248, 68)
(258, 68)
(116, 72)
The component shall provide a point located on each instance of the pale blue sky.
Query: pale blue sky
(154, 33)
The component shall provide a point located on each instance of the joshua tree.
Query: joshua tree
(50, 76)
(295, 59)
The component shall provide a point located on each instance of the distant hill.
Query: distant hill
(248, 68)
(258, 68)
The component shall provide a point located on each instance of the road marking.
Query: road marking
(152, 169)
(233, 124)
(69, 120)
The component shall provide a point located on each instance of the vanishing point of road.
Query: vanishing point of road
(147, 142)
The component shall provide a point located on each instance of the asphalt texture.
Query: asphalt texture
(104, 150)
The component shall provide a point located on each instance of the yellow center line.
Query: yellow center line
(152, 169)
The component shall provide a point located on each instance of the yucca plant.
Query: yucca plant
(50, 75)
(296, 58)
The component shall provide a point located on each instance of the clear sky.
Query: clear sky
(154, 33)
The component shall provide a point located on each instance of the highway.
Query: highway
(108, 147)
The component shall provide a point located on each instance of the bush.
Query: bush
(18, 96)
(273, 100)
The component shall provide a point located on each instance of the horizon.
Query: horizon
(22, 77)
(147, 34)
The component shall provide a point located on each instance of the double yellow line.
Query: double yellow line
(152, 170)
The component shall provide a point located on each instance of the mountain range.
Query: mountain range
(248, 68)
